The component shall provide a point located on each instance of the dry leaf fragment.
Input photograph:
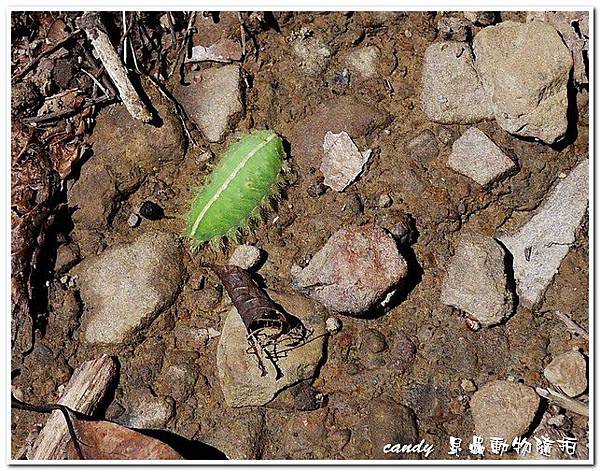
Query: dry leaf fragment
(103, 440)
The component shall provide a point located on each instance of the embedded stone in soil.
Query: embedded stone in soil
(127, 286)
(476, 281)
(503, 409)
(476, 156)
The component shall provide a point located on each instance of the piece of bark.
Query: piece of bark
(564, 401)
(95, 31)
(103, 440)
(84, 391)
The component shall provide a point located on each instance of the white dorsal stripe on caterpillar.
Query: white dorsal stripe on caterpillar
(228, 181)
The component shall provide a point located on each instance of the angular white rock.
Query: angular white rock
(343, 162)
(245, 256)
(540, 245)
(452, 92)
(524, 68)
(476, 156)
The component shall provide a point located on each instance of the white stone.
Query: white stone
(342, 162)
(540, 245)
(364, 61)
(452, 92)
(245, 256)
(476, 156)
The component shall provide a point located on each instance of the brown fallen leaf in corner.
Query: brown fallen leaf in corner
(102, 440)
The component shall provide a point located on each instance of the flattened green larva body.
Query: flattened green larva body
(247, 176)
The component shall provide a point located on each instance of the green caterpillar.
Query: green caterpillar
(249, 174)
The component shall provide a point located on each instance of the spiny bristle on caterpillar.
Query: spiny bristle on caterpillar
(246, 180)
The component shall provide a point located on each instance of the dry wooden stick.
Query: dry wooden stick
(564, 401)
(95, 31)
(571, 325)
(85, 390)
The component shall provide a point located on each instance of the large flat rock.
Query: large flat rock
(524, 68)
(127, 286)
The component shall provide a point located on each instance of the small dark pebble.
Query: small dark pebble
(341, 80)
(404, 229)
(151, 211)
(316, 189)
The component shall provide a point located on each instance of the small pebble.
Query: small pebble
(385, 201)
(341, 79)
(245, 256)
(317, 189)
(404, 230)
(151, 211)
(468, 386)
(133, 220)
(481, 18)
(333, 325)
(373, 341)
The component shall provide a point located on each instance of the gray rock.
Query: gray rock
(128, 286)
(454, 29)
(144, 410)
(568, 371)
(452, 92)
(481, 18)
(503, 409)
(525, 67)
(353, 271)
(245, 256)
(213, 100)
(573, 27)
(342, 161)
(423, 147)
(239, 373)
(476, 156)
(364, 61)
(539, 246)
(476, 281)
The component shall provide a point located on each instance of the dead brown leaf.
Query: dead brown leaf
(102, 440)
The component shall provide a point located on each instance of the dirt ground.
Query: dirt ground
(362, 388)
